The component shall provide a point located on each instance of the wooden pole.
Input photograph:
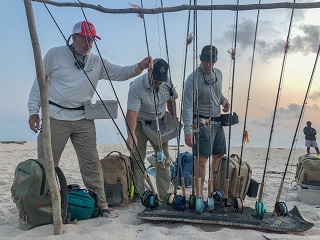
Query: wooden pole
(43, 82)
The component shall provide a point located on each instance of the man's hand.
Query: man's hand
(130, 143)
(34, 122)
(188, 139)
(225, 106)
(145, 63)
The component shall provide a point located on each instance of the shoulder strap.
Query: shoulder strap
(63, 193)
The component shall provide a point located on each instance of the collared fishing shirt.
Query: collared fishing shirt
(142, 98)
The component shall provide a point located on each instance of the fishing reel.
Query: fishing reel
(238, 205)
(161, 159)
(149, 200)
(199, 205)
(259, 210)
(218, 196)
(192, 202)
(281, 209)
(210, 204)
(176, 201)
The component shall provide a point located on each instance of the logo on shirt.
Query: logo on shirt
(162, 70)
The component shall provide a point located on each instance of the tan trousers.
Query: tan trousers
(82, 134)
(162, 175)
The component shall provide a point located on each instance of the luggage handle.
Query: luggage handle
(236, 156)
(120, 154)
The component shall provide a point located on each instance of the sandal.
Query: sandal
(108, 213)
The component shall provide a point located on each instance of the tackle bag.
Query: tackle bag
(219, 176)
(31, 194)
(117, 175)
(308, 169)
(81, 205)
(185, 166)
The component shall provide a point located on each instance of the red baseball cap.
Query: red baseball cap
(86, 29)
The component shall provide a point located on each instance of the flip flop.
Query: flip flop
(108, 213)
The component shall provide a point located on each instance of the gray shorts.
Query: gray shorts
(311, 143)
(218, 141)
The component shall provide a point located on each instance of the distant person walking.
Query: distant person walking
(310, 137)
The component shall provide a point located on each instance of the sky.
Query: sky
(124, 43)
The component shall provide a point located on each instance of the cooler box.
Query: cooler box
(309, 194)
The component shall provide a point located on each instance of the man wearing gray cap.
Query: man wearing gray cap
(72, 70)
(149, 96)
(203, 100)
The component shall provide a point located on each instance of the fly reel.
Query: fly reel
(259, 210)
(178, 202)
(218, 196)
(149, 200)
(192, 202)
(281, 209)
(199, 205)
(210, 204)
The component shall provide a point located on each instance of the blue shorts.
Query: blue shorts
(218, 141)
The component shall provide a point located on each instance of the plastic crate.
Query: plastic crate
(101, 109)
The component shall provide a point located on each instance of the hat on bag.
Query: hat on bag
(86, 29)
(160, 70)
(209, 53)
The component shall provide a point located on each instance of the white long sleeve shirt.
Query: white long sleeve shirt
(69, 86)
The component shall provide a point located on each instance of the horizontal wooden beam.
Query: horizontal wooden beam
(185, 7)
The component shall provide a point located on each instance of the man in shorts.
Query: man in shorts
(310, 136)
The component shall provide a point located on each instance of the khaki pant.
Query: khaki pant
(82, 134)
(162, 175)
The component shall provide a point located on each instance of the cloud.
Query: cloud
(306, 42)
(314, 95)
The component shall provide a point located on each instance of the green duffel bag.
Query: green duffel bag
(81, 205)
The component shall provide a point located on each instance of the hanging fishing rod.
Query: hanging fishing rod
(280, 207)
(259, 207)
(210, 200)
(151, 200)
(148, 200)
(233, 57)
(238, 201)
(178, 165)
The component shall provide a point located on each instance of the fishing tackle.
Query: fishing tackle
(149, 200)
(281, 209)
(259, 210)
(218, 196)
(210, 204)
(199, 205)
(179, 202)
(192, 202)
(238, 205)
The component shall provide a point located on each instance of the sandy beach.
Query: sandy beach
(127, 226)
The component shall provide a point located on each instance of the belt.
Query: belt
(149, 122)
(57, 105)
(215, 119)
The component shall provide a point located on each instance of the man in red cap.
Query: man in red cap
(68, 68)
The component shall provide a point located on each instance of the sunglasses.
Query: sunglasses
(88, 39)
